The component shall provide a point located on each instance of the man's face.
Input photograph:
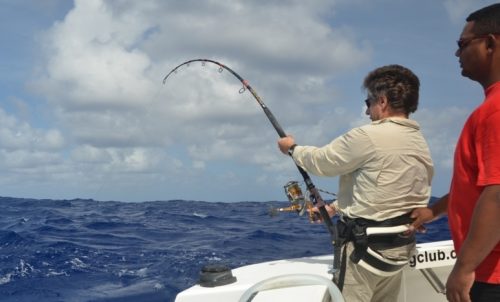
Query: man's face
(373, 109)
(472, 53)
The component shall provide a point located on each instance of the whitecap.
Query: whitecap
(24, 268)
(142, 272)
(54, 273)
(200, 215)
(6, 279)
(77, 263)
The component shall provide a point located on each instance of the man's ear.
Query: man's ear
(492, 42)
(383, 101)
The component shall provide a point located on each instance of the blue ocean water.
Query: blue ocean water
(87, 250)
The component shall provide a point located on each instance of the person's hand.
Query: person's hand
(315, 211)
(331, 210)
(421, 216)
(459, 284)
(285, 143)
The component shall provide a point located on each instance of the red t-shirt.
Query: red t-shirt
(476, 165)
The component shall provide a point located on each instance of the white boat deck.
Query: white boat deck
(437, 256)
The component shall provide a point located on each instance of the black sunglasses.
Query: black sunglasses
(367, 102)
(463, 42)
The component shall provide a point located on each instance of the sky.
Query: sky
(84, 112)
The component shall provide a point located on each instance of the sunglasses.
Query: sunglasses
(463, 42)
(368, 103)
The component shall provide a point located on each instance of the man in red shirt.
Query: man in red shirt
(473, 203)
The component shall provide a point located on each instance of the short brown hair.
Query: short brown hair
(399, 84)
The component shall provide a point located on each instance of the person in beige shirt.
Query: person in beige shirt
(385, 171)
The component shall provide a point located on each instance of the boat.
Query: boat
(309, 279)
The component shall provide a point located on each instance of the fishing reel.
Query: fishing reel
(298, 202)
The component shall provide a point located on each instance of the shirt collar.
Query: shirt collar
(493, 87)
(400, 121)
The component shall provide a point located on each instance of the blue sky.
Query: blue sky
(84, 113)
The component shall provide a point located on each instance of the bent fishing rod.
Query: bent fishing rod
(315, 196)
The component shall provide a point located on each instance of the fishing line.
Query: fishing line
(314, 192)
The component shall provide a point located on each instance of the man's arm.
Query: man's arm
(482, 237)
(424, 215)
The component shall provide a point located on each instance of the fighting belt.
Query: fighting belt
(369, 237)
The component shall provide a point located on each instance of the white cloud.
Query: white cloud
(105, 62)
(16, 134)
(91, 61)
(441, 128)
(116, 128)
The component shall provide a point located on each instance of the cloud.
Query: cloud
(104, 62)
(29, 154)
(441, 129)
(15, 135)
(102, 123)
(91, 65)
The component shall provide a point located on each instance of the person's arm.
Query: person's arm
(482, 237)
(425, 215)
(343, 155)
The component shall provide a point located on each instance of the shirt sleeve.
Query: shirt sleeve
(488, 146)
(343, 155)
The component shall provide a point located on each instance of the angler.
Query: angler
(385, 171)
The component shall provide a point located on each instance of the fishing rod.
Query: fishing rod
(316, 198)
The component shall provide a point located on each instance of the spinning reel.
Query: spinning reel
(298, 202)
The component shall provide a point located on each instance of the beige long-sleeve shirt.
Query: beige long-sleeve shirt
(385, 168)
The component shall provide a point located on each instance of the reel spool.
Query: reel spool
(298, 202)
(294, 193)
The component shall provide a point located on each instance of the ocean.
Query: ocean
(103, 251)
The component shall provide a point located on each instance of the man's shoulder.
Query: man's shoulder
(360, 130)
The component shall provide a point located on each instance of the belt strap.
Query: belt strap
(367, 234)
